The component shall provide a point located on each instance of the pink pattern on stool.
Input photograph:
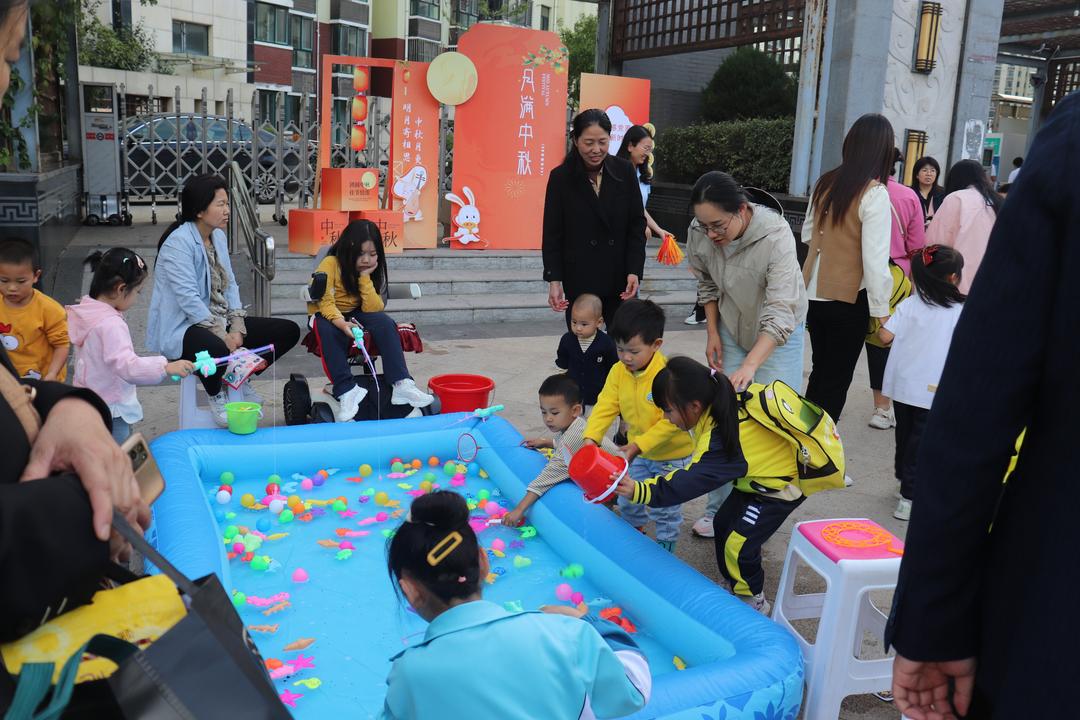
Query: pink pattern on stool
(812, 531)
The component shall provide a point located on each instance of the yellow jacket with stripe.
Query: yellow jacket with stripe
(629, 394)
(711, 465)
(336, 302)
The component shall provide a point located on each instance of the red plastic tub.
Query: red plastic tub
(462, 393)
(591, 469)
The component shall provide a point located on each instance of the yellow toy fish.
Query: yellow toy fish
(678, 662)
(277, 536)
(309, 683)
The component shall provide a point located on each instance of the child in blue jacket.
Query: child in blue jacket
(561, 667)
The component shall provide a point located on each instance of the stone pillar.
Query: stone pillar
(975, 83)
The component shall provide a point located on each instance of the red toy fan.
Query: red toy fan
(670, 253)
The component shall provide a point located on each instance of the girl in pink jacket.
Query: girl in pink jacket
(105, 360)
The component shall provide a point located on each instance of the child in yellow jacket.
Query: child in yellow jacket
(355, 269)
(654, 446)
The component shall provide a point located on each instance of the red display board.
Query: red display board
(414, 185)
(624, 99)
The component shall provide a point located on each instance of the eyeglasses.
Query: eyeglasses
(714, 228)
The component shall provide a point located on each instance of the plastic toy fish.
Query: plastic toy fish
(284, 671)
(343, 555)
(678, 662)
(527, 531)
(277, 536)
(263, 628)
(614, 614)
(277, 608)
(513, 606)
(265, 602)
(404, 486)
(301, 644)
(309, 683)
(491, 578)
(302, 663)
(329, 543)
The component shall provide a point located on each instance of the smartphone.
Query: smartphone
(151, 481)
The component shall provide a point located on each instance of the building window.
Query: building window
(271, 24)
(421, 50)
(268, 106)
(465, 13)
(425, 8)
(190, 38)
(350, 40)
(302, 35)
(545, 17)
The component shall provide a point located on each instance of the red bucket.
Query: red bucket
(591, 469)
(462, 393)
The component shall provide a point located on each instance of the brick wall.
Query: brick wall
(275, 65)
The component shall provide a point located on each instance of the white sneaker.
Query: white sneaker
(349, 404)
(250, 394)
(883, 419)
(848, 482)
(903, 509)
(217, 408)
(406, 393)
(691, 319)
(703, 527)
(416, 412)
(758, 602)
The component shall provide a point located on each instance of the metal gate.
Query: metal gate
(161, 150)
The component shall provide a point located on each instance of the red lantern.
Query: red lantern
(360, 80)
(359, 108)
(359, 137)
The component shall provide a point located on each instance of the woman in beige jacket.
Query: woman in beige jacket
(751, 286)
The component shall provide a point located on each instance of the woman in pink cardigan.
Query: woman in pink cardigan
(966, 216)
(105, 360)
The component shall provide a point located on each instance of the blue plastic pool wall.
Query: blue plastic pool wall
(741, 665)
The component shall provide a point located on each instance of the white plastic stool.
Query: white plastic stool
(191, 415)
(865, 558)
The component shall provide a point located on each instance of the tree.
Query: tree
(748, 84)
(124, 48)
(580, 40)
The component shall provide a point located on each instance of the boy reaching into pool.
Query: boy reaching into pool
(703, 402)
(561, 410)
(655, 446)
(577, 666)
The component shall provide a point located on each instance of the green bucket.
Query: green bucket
(243, 417)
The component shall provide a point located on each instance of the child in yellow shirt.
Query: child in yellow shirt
(33, 326)
(355, 269)
(655, 446)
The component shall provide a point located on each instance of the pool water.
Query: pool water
(328, 644)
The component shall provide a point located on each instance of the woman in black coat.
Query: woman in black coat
(594, 222)
(990, 572)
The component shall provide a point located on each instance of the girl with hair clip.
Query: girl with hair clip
(920, 332)
(703, 402)
(580, 667)
(105, 360)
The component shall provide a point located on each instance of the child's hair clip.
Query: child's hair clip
(444, 547)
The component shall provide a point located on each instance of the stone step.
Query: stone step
(482, 308)
(474, 282)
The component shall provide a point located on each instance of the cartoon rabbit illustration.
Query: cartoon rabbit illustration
(10, 342)
(467, 218)
(408, 188)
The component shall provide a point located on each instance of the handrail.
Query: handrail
(258, 244)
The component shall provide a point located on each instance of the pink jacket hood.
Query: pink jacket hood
(87, 315)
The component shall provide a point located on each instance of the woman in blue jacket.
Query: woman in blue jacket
(196, 302)
(570, 667)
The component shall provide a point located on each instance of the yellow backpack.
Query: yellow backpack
(901, 291)
(810, 455)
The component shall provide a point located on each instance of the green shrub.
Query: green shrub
(755, 152)
(748, 84)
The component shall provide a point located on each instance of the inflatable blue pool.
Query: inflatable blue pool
(738, 664)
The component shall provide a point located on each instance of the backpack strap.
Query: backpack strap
(21, 400)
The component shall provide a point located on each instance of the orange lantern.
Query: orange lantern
(359, 108)
(359, 137)
(360, 80)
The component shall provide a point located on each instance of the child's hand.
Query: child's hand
(631, 451)
(626, 486)
(50, 377)
(574, 612)
(590, 441)
(180, 368)
(538, 442)
(513, 518)
(234, 341)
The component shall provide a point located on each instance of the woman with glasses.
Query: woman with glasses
(742, 251)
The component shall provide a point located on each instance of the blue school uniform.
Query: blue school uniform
(479, 661)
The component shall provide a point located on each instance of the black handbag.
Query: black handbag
(205, 666)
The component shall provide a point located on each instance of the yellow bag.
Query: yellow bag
(139, 612)
(787, 437)
(901, 291)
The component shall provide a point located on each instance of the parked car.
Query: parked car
(151, 144)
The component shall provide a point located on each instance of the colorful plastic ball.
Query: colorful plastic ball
(498, 544)
(450, 468)
(324, 473)
(416, 464)
(277, 506)
(260, 563)
(273, 488)
(286, 516)
(382, 517)
(577, 598)
(431, 477)
(492, 508)
(365, 470)
(381, 498)
(219, 515)
(433, 461)
(239, 599)
(274, 478)
(226, 488)
(238, 548)
(300, 575)
(394, 460)
(318, 480)
(306, 484)
(462, 469)
(263, 525)
(483, 494)
(339, 506)
(397, 467)
(425, 485)
(247, 499)
(563, 591)
(223, 497)
(227, 478)
(474, 469)
(231, 532)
